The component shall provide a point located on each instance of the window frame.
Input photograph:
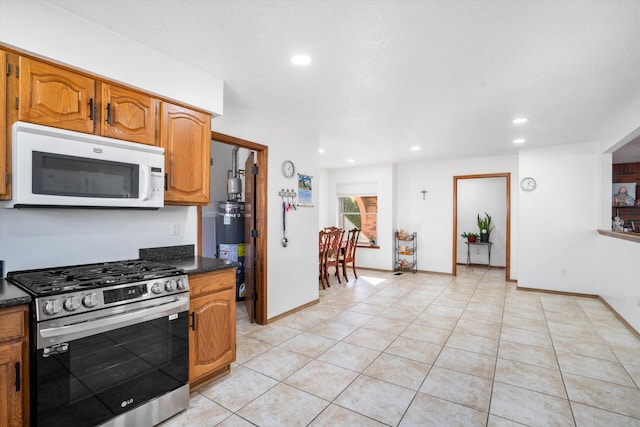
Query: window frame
(363, 241)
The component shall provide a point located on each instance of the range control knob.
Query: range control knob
(71, 303)
(169, 285)
(90, 300)
(182, 284)
(52, 306)
(156, 288)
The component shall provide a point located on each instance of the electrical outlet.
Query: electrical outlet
(175, 229)
(477, 251)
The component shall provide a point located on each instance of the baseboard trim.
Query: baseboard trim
(598, 297)
(550, 291)
(295, 310)
(620, 318)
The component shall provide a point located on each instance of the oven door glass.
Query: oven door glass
(62, 175)
(91, 380)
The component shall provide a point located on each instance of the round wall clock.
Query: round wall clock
(528, 184)
(288, 169)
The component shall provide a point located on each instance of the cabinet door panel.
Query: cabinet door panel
(212, 344)
(55, 97)
(11, 399)
(131, 115)
(186, 137)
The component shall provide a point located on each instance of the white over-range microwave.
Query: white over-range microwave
(59, 168)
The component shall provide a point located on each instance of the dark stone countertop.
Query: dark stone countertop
(183, 257)
(197, 264)
(11, 295)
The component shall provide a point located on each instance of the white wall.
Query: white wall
(618, 277)
(383, 177)
(38, 238)
(55, 237)
(292, 271)
(43, 29)
(432, 218)
(558, 220)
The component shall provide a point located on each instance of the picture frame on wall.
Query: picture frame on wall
(305, 190)
(623, 194)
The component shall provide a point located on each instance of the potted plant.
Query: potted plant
(485, 227)
(471, 237)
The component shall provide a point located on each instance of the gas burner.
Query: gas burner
(49, 281)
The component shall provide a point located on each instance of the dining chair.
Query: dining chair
(333, 255)
(349, 254)
(325, 242)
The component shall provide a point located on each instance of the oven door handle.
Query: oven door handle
(113, 321)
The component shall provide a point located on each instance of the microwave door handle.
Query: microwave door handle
(146, 178)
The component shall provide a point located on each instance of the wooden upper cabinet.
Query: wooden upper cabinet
(128, 115)
(53, 96)
(5, 160)
(185, 135)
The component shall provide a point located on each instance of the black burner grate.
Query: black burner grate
(48, 281)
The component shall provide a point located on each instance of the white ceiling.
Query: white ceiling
(447, 76)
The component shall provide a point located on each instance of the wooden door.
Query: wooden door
(54, 96)
(128, 115)
(4, 158)
(250, 241)
(185, 136)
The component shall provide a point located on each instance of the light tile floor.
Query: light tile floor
(429, 350)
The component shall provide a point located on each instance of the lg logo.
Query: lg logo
(126, 402)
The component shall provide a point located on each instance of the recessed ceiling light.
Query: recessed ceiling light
(416, 148)
(320, 150)
(518, 141)
(520, 120)
(301, 59)
(350, 160)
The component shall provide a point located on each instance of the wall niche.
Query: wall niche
(627, 172)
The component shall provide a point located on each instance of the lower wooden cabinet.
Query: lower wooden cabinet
(14, 352)
(212, 337)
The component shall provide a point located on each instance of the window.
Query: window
(360, 212)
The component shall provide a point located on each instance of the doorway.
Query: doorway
(260, 209)
(507, 234)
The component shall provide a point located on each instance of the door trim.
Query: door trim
(261, 212)
(506, 175)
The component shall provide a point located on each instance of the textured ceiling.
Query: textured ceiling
(448, 76)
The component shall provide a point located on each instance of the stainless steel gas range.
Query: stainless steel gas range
(109, 343)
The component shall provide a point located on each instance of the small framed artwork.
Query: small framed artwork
(305, 190)
(624, 194)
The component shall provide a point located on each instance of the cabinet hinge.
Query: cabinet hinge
(210, 161)
(7, 178)
(17, 103)
(254, 233)
(8, 69)
(254, 296)
(17, 71)
(254, 170)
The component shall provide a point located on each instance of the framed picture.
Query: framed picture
(624, 194)
(305, 190)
